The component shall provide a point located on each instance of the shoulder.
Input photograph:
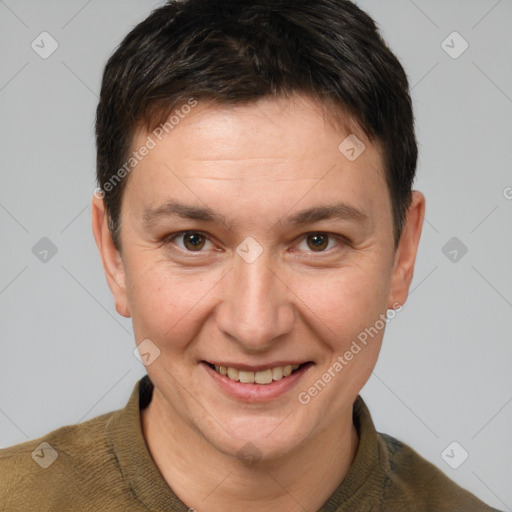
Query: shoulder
(60, 444)
(417, 483)
(71, 460)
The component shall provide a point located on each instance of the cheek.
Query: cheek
(345, 311)
(344, 302)
(165, 304)
(170, 306)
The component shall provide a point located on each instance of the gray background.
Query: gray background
(444, 372)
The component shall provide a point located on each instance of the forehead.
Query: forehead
(266, 151)
(292, 128)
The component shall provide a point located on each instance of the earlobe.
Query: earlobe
(112, 262)
(405, 255)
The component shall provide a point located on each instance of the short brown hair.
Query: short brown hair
(239, 51)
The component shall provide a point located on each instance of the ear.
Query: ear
(112, 262)
(405, 255)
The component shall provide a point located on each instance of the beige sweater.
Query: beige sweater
(103, 465)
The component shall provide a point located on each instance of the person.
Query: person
(256, 220)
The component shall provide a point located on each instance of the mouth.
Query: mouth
(263, 376)
(256, 384)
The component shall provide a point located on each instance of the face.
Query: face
(253, 246)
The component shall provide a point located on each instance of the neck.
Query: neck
(214, 481)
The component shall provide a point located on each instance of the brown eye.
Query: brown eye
(193, 241)
(188, 241)
(318, 241)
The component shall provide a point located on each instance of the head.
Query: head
(255, 161)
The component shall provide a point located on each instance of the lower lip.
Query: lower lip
(257, 392)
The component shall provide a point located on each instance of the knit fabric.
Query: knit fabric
(104, 465)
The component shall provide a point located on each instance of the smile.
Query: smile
(256, 383)
(266, 376)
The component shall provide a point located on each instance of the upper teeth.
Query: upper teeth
(261, 377)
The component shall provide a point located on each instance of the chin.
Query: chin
(252, 439)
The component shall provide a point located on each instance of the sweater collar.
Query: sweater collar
(124, 432)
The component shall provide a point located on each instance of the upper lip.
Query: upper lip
(258, 367)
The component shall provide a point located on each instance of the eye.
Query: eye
(191, 241)
(318, 242)
(195, 241)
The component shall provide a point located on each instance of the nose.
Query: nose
(256, 308)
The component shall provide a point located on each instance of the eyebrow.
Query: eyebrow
(338, 211)
(185, 211)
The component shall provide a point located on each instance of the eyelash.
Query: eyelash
(169, 239)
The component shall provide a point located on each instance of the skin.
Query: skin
(256, 165)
